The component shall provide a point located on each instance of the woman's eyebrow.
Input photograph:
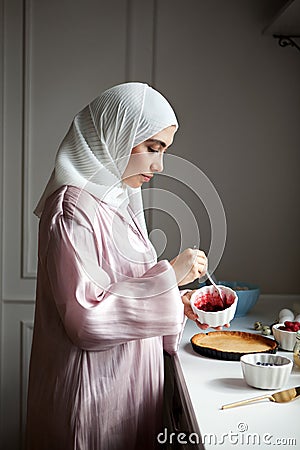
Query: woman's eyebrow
(156, 141)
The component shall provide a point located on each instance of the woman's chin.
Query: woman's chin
(133, 183)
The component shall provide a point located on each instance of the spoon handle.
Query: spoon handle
(249, 400)
(211, 280)
(214, 284)
(216, 287)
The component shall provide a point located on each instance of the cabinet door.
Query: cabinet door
(180, 430)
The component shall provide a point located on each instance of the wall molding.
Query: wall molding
(14, 286)
(22, 301)
(1, 189)
(28, 265)
(26, 341)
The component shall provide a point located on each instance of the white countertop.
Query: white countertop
(212, 383)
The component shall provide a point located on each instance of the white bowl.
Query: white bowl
(285, 339)
(266, 376)
(214, 318)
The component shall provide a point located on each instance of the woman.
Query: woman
(105, 309)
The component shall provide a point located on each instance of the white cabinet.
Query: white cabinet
(181, 429)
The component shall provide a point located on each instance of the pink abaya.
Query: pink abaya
(103, 318)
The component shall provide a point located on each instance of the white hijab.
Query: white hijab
(97, 147)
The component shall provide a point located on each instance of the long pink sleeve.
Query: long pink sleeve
(98, 317)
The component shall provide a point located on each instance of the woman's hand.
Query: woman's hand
(192, 316)
(189, 265)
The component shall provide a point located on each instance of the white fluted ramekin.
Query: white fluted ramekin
(264, 376)
(285, 339)
(214, 318)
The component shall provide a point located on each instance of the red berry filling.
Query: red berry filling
(290, 326)
(212, 303)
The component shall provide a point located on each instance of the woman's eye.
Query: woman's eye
(150, 149)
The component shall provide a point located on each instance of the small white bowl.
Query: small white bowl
(214, 318)
(285, 339)
(264, 376)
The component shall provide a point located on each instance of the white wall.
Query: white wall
(236, 94)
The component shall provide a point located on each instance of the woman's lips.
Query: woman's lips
(147, 177)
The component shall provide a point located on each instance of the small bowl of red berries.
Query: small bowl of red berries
(285, 334)
(211, 308)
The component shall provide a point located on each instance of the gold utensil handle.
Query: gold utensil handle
(249, 400)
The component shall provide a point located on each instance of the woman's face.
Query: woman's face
(147, 158)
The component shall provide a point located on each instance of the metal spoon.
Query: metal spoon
(213, 283)
(215, 286)
(278, 397)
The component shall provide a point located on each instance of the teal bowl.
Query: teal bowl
(246, 298)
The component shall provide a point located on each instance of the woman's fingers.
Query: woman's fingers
(190, 315)
(189, 265)
(187, 306)
(198, 263)
(203, 326)
(201, 263)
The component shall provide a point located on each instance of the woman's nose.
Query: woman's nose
(157, 165)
